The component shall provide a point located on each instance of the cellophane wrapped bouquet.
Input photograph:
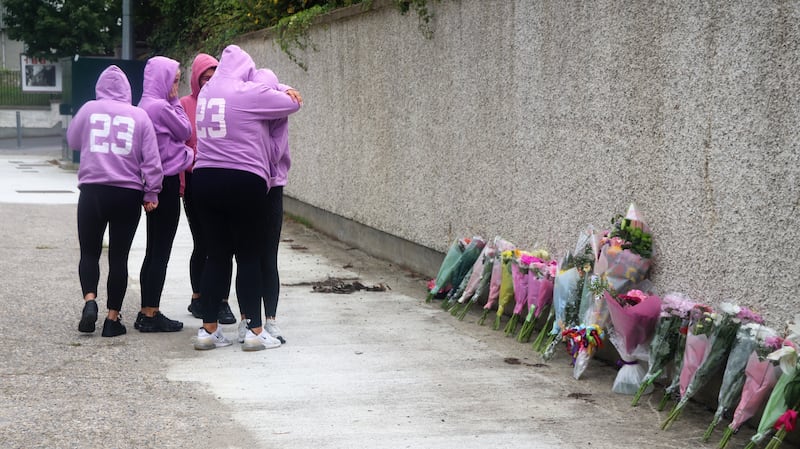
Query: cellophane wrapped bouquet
(761, 375)
(504, 248)
(539, 295)
(625, 252)
(667, 339)
(477, 288)
(633, 321)
(567, 290)
(584, 340)
(734, 375)
(707, 346)
(441, 284)
(507, 295)
(462, 270)
(780, 413)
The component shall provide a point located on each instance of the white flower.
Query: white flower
(787, 357)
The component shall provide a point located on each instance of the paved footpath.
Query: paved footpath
(360, 370)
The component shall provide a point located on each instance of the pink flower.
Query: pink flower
(748, 316)
(787, 420)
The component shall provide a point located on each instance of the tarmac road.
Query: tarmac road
(360, 370)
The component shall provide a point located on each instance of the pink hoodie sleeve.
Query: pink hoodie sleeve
(270, 104)
(152, 172)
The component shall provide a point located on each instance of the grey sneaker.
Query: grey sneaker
(242, 330)
(272, 328)
(253, 342)
(206, 341)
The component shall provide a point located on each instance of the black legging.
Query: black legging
(269, 261)
(232, 209)
(197, 261)
(119, 208)
(162, 224)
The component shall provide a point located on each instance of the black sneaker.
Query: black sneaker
(113, 328)
(88, 316)
(159, 323)
(225, 315)
(194, 308)
(138, 321)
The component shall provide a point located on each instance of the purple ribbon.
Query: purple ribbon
(621, 363)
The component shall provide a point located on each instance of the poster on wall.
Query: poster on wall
(40, 75)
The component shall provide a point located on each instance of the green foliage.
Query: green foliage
(53, 29)
(635, 238)
(293, 32)
(424, 14)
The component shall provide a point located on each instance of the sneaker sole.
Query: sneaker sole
(260, 347)
(146, 330)
(114, 334)
(204, 347)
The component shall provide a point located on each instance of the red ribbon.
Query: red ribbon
(787, 420)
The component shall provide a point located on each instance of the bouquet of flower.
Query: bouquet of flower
(497, 276)
(666, 338)
(625, 252)
(760, 375)
(567, 290)
(780, 413)
(697, 313)
(539, 295)
(506, 294)
(519, 277)
(442, 281)
(520, 271)
(707, 345)
(591, 332)
(582, 343)
(478, 280)
(733, 378)
(462, 270)
(633, 317)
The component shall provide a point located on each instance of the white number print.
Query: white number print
(214, 126)
(108, 132)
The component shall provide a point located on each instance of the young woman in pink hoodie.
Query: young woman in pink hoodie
(173, 129)
(120, 172)
(231, 178)
(203, 68)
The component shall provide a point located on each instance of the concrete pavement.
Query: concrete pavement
(364, 370)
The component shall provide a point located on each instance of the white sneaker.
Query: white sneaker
(274, 330)
(210, 341)
(242, 330)
(253, 342)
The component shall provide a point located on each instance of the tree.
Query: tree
(61, 28)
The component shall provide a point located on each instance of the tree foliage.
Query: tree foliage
(59, 28)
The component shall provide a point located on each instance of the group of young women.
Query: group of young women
(225, 147)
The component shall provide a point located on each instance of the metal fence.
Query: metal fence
(11, 93)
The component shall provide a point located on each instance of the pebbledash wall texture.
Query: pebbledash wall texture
(531, 120)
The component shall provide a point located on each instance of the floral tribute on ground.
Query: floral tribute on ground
(600, 292)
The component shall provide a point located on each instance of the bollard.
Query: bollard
(19, 131)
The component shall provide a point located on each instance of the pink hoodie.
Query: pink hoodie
(169, 119)
(276, 137)
(116, 139)
(202, 62)
(231, 111)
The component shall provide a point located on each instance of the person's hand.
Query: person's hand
(150, 206)
(295, 94)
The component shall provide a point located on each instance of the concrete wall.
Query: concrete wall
(34, 122)
(531, 120)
